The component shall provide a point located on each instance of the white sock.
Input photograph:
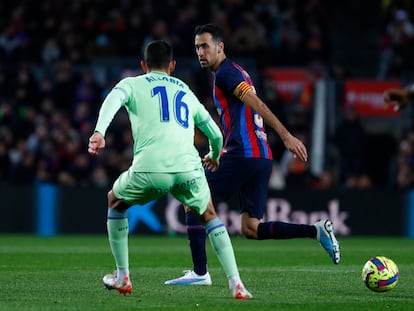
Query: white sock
(122, 273)
(233, 281)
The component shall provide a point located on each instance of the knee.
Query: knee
(115, 203)
(208, 215)
(249, 226)
(249, 231)
(109, 197)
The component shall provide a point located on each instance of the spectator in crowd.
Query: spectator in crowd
(403, 170)
(397, 45)
(350, 142)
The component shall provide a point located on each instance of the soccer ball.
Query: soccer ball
(380, 274)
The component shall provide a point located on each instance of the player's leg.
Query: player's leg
(222, 246)
(128, 189)
(322, 231)
(196, 234)
(253, 198)
(117, 227)
(197, 197)
(252, 228)
(223, 183)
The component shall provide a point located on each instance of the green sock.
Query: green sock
(118, 239)
(221, 243)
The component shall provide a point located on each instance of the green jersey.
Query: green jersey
(163, 112)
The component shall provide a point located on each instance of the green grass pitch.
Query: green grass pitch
(65, 273)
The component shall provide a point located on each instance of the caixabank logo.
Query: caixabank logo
(357, 213)
(388, 212)
(277, 209)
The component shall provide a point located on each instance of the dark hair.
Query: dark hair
(158, 54)
(215, 31)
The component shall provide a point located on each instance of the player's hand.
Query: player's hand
(297, 147)
(396, 96)
(209, 163)
(96, 143)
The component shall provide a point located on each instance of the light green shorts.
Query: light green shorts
(190, 188)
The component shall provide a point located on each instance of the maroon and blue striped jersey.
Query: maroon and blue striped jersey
(243, 128)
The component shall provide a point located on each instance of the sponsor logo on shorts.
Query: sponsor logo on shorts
(183, 185)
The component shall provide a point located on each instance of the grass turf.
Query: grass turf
(65, 273)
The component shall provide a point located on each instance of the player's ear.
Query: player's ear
(220, 46)
(172, 65)
(144, 66)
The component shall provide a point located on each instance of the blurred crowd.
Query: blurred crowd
(50, 96)
(284, 32)
(403, 168)
(397, 42)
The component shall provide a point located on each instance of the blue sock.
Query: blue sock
(197, 239)
(282, 230)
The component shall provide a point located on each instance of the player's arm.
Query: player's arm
(112, 103)
(244, 92)
(402, 97)
(215, 137)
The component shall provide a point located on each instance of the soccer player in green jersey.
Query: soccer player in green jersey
(163, 113)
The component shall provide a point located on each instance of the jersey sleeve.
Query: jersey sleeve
(232, 77)
(228, 78)
(112, 103)
(242, 89)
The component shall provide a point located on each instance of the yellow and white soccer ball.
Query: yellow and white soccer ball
(380, 274)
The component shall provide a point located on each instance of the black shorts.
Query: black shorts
(247, 177)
